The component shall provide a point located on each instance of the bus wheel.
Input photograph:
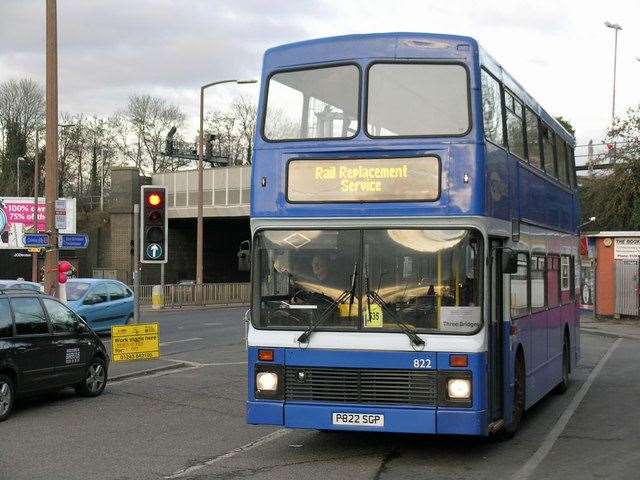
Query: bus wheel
(566, 366)
(518, 399)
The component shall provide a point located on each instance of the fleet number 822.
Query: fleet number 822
(421, 363)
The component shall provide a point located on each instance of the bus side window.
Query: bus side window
(565, 279)
(533, 139)
(550, 165)
(492, 109)
(538, 283)
(515, 125)
(520, 287)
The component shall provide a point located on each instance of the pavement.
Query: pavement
(188, 422)
(625, 328)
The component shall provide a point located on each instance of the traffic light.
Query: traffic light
(153, 224)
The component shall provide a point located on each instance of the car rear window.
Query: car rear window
(6, 324)
(29, 316)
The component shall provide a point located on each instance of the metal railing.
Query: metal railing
(213, 294)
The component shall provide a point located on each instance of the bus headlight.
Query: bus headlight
(459, 388)
(266, 382)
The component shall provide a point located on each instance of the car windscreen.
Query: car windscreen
(75, 290)
(425, 99)
(312, 104)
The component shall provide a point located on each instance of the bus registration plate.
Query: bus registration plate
(359, 419)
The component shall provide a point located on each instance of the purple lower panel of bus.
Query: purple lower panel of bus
(397, 391)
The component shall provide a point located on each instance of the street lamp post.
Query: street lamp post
(18, 160)
(616, 27)
(200, 223)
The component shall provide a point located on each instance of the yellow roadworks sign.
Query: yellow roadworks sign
(135, 342)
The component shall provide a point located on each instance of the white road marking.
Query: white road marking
(232, 453)
(200, 365)
(162, 344)
(526, 471)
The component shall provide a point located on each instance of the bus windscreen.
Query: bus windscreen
(313, 104)
(417, 99)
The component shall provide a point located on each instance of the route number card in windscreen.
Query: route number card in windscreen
(364, 180)
(139, 341)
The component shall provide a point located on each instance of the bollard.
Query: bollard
(157, 297)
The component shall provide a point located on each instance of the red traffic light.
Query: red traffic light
(154, 199)
(64, 267)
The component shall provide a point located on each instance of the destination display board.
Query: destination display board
(364, 180)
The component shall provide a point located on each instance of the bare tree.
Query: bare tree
(145, 124)
(21, 113)
(234, 130)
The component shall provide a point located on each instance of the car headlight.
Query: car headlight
(266, 381)
(459, 388)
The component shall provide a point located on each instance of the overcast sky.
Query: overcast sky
(559, 50)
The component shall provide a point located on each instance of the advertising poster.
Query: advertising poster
(16, 219)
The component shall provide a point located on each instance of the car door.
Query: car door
(96, 307)
(33, 349)
(119, 303)
(6, 335)
(73, 345)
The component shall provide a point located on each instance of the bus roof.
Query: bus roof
(399, 45)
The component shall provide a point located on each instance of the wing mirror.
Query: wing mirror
(509, 261)
(81, 327)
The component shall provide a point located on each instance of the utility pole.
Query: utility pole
(51, 159)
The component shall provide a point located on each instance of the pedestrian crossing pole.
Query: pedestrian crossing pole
(136, 263)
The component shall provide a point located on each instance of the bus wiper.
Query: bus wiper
(415, 339)
(350, 294)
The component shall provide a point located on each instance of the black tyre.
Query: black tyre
(95, 379)
(7, 397)
(519, 396)
(563, 386)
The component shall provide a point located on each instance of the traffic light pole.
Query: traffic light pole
(136, 263)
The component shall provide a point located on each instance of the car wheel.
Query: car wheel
(95, 379)
(7, 397)
(563, 386)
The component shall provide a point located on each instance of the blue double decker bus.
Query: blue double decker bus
(414, 222)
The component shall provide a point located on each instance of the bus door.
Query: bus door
(496, 343)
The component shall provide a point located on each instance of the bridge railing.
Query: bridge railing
(212, 293)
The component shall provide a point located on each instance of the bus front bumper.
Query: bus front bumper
(396, 419)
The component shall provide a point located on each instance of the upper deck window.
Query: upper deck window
(313, 104)
(417, 100)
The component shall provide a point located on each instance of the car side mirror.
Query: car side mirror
(81, 328)
(509, 262)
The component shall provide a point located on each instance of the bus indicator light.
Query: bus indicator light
(458, 361)
(265, 355)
